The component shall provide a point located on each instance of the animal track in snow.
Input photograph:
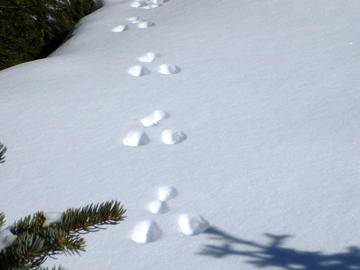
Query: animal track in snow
(146, 231)
(158, 207)
(138, 71)
(150, 6)
(144, 24)
(169, 136)
(134, 19)
(192, 224)
(147, 57)
(158, 2)
(135, 138)
(166, 193)
(154, 118)
(167, 69)
(119, 28)
(135, 4)
(188, 223)
(147, 4)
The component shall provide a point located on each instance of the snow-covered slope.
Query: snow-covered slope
(265, 98)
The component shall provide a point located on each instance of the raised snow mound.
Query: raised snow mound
(153, 119)
(166, 193)
(151, 6)
(158, 2)
(135, 4)
(169, 136)
(147, 57)
(146, 231)
(135, 138)
(158, 207)
(192, 224)
(168, 69)
(134, 19)
(137, 71)
(145, 24)
(119, 28)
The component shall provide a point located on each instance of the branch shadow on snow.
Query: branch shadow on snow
(273, 254)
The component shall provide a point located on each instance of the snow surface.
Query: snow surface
(268, 95)
(6, 238)
(52, 217)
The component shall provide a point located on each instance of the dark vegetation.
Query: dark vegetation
(2, 152)
(34, 241)
(32, 29)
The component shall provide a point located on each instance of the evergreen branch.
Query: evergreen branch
(25, 32)
(36, 268)
(21, 252)
(89, 218)
(30, 224)
(32, 250)
(2, 220)
(8, 7)
(2, 153)
(34, 242)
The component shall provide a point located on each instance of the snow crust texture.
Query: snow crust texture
(192, 224)
(136, 138)
(146, 231)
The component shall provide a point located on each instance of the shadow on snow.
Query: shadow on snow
(274, 255)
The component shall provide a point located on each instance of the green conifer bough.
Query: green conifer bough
(31, 29)
(2, 153)
(33, 239)
(27, 243)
